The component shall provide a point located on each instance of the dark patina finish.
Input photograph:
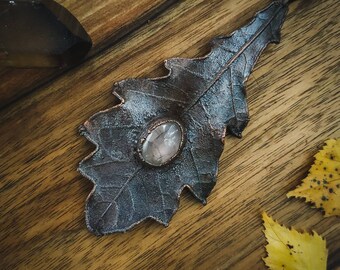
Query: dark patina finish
(207, 95)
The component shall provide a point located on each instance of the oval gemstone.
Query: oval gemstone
(162, 144)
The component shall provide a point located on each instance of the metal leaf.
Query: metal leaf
(207, 95)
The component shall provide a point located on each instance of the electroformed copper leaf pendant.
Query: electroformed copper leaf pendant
(168, 133)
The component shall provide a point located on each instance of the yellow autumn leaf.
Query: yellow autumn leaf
(322, 185)
(288, 249)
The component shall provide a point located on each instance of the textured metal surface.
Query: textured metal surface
(206, 95)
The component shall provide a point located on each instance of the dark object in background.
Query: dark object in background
(40, 34)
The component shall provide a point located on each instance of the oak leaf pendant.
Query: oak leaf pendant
(168, 133)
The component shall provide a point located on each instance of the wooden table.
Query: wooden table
(294, 103)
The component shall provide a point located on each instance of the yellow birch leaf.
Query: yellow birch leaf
(322, 185)
(288, 249)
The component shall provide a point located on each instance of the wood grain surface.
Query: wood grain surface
(294, 104)
(105, 21)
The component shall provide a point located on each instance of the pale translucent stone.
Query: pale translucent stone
(162, 144)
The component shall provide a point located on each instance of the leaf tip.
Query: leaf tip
(290, 194)
(265, 216)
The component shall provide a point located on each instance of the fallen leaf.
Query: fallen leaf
(206, 96)
(288, 249)
(322, 185)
